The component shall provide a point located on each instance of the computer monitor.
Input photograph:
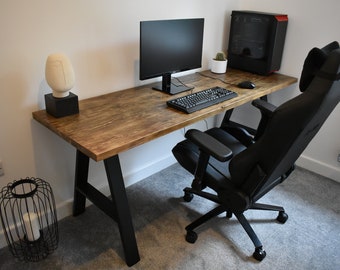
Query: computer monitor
(170, 46)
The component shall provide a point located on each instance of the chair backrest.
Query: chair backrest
(290, 129)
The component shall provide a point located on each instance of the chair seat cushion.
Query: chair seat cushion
(217, 173)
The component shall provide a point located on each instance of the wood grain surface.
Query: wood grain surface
(109, 124)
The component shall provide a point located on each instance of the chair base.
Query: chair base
(191, 236)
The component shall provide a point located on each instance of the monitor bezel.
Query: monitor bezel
(166, 85)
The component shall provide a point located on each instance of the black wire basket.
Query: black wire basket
(29, 219)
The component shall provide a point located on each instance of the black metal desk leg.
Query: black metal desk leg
(226, 118)
(120, 202)
(81, 178)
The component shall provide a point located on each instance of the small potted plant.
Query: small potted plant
(219, 63)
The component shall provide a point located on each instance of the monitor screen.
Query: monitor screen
(170, 46)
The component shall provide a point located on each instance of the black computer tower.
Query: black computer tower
(256, 41)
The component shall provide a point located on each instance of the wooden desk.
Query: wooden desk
(118, 121)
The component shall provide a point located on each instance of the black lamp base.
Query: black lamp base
(60, 107)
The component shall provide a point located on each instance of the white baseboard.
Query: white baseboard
(318, 167)
(64, 209)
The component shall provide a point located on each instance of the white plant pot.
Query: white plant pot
(219, 66)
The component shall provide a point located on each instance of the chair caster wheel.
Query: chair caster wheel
(191, 237)
(229, 214)
(188, 196)
(259, 254)
(282, 217)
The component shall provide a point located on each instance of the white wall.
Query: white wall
(101, 40)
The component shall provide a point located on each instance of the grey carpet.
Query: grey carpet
(310, 239)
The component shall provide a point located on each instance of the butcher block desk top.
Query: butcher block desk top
(112, 123)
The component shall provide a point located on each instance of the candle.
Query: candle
(32, 226)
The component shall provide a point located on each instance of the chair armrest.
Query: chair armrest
(209, 145)
(264, 106)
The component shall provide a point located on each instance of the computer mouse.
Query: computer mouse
(246, 85)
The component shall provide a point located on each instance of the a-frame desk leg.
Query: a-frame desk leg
(80, 182)
(117, 208)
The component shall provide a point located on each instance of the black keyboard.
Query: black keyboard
(202, 99)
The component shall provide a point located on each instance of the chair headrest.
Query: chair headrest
(313, 63)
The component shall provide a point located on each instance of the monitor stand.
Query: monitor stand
(170, 88)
